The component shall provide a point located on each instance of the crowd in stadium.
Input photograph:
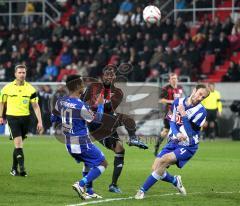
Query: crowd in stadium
(113, 32)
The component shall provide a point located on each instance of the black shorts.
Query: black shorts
(110, 142)
(211, 115)
(18, 126)
(106, 135)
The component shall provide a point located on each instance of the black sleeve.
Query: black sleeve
(34, 95)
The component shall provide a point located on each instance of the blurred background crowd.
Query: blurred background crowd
(94, 33)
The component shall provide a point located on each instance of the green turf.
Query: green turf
(215, 168)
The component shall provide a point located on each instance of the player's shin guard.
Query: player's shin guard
(92, 175)
(20, 158)
(150, 181)
(118, 166)
(15, 161)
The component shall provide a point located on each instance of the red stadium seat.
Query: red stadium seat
(208, 63)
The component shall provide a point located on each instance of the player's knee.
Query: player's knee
(156, 164)
(119, 148)
(101, 168)
(104, 164)
(212, 124)
(205, 125)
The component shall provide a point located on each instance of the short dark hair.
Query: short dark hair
(20, 66)
(73, 82)
(202, 86)
(109, 68)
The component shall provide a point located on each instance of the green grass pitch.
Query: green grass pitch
(214, 169)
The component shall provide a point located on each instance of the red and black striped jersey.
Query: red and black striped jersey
(170, 93)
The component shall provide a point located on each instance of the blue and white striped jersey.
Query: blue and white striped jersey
(189, 125)
(74, 115)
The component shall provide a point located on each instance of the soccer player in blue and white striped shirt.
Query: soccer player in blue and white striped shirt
(187, 118)
(73, 114)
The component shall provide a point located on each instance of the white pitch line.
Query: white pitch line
(148, 196)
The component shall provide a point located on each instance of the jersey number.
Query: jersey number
(66, 118)
(182, 151)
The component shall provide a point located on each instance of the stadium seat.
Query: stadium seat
(207, 64)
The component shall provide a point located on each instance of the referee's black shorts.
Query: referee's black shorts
(18, 126)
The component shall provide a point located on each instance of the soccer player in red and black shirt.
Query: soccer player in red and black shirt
(106, 132)
(169, 93)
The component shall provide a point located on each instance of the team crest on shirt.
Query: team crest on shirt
(25, 101)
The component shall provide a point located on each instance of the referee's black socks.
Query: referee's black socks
(20, 158)
(15, 161)
(118, 165)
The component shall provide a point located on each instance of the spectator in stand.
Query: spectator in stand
(233, 73)
(222, 44)
(180, 27)
(136, 16)
(170, 57)
(2, 73)
(140, 72)
(92, 26)
(210, 44)
(167, 27)
(193, 55)
(45, 55)
(235, 37)
(66, 57)
(236, 28)
(126, 6)
(204, 29)
(157, 56)
(216, 27)
(51, 72)
(186, 68)
(164, 40)
(146, 54)
(181, 4)
(175, 43)
(121, 18)
(149, 41)
(54, 44)
(138, 42)
(227, 26)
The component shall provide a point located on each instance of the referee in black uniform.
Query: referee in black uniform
(16, 97)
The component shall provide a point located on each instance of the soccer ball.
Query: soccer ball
(151, 14)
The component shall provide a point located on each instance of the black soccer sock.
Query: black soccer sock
(131, 132)
(20, 158)
(118, 165)
(211, 133)
(15, 161)
(158, 143)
